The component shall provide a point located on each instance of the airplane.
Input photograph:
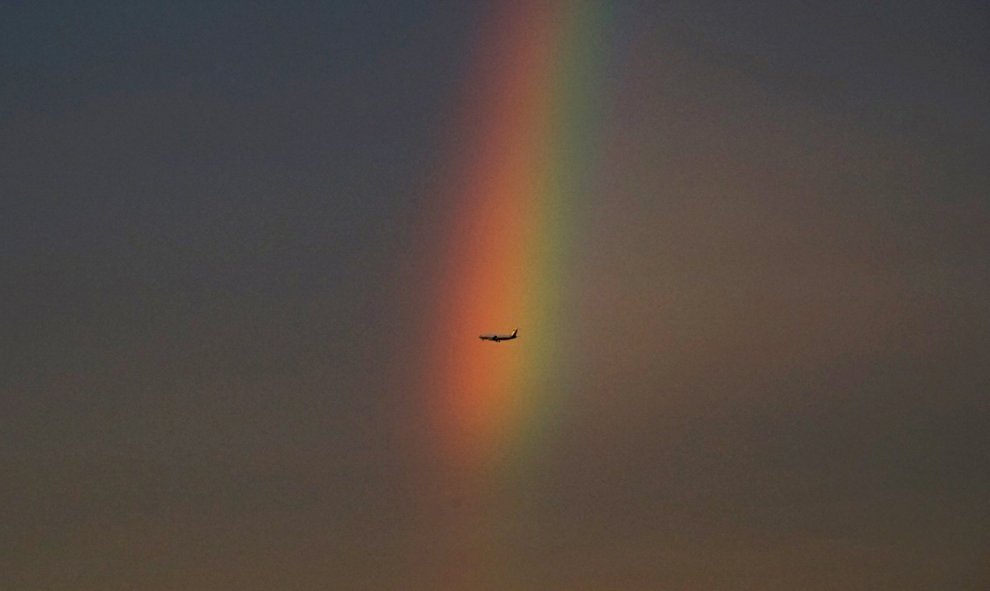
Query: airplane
(499, 337)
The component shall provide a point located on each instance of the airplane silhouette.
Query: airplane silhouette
(499, 337)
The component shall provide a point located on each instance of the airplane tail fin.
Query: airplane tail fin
(514, 331)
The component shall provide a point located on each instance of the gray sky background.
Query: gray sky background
(216, 226)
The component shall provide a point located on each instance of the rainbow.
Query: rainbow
(521, 167)
(524, 163)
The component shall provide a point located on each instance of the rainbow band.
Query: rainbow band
(532, 110)
(531, 113)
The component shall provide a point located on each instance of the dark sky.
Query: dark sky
(216, 228)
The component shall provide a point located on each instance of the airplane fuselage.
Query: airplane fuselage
(496, 338)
